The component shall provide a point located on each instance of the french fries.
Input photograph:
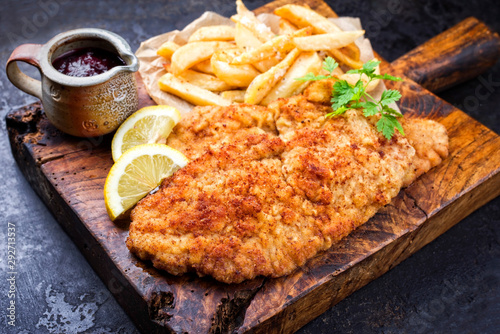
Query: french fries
(247, 19)
(235, 75)
(205, 81)
(342, 58)
(235, 96)
(263, 83)
(302, 17)
(221, 65)
(204, 67)
(286, 27)
(280, 44)
(245, 39)
(213, 33)
(167, 49)
(307, 62)
(328, 41)
(266, 64)
(191, 93)
(193, 53)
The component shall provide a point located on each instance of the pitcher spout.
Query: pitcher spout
(125, 52)
(131, 61)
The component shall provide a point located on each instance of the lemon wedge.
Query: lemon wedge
(147, 125)
(138, 171)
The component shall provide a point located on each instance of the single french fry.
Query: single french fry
(249, 21)
(245, 39)
(352, 51)
(241, 8)
(264, 51)
(191, 93)
(192, 53)
(328, 41)
(280, 44)
(266, 64)
(286, 27)
(344, 59)
(262, 31)
(264, 82)
(234, 75)
(205, 81)
(304, 17)
(307, 62)
(167, 49)
(213, 33)
(235, 96)
(204, 67)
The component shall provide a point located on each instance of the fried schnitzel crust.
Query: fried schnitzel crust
(271, 188)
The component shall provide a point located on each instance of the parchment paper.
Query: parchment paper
(151, 65)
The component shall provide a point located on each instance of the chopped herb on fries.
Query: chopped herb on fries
(347, 96)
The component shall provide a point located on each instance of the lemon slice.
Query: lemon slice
(147, 125)
(136, 173)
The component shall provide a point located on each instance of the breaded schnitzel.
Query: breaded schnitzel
(269, 188)
(212, 126)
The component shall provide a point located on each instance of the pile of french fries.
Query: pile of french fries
(222, 65)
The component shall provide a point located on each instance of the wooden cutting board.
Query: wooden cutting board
(68, 174)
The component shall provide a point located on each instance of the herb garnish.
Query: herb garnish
(346, 96)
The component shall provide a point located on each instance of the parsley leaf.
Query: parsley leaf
(346, 96)
(386, 125)
(369, 108)
(386, 77)
(338, 112)
(342, 94)
(390, 111)
(311, 77)
(358, 90)
(330, 65)
(389, 96)
(368, 68)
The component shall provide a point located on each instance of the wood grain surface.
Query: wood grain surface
(460, 54)
(68, 173)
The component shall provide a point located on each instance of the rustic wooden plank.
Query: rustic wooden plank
(68, 173)
(470, 36)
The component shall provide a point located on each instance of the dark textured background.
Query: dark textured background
(451, 285)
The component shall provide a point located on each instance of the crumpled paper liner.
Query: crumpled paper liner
(151, 65)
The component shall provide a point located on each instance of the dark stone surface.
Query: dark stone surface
(451, 285)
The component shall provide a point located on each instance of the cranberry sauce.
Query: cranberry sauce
(86, 62)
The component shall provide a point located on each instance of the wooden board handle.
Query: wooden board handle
(454, 56)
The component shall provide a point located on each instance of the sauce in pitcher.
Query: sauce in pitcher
(86, 62)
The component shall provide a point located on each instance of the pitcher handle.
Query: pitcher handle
(27, 53)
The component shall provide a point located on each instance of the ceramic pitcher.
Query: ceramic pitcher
(80, 106)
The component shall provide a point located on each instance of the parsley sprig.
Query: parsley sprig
(346, 96)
